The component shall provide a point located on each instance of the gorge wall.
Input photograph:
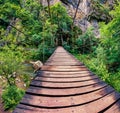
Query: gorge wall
(90, 12)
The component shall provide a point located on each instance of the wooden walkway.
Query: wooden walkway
(65, 85)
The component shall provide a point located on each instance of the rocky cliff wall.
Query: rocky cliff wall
(89, 14)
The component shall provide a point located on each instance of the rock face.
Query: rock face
(44, 2)
(82, 15)
(83, 11)
(92, 9)
(87, 15)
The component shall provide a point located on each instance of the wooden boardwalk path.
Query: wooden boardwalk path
(65, 85)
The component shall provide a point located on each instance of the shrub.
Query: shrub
(66, 46)
(10, 60)
(110, 40)
(11, 97)
(87, 42)
(97, 64)
(42, 53)
(114, 80)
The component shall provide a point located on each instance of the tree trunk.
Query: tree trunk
(48, 1)
(73, 40)
(41, 2)
(9, 28)
(22, 3)
(76, 11)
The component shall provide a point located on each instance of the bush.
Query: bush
(42, 53)
(96, 63)
(10, 61)
(87, 42)
(99, 63)
(114, 80)
(11, 97)
(110, 40)
(66, 46)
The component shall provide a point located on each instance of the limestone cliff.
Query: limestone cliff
(90, 12)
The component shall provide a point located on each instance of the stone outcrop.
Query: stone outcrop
(89, 14)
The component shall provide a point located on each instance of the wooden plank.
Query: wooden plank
(41, 79)
(102, 103)
(60, 75)
(62, 63)
(65, 74)
(79, 82)
(86, 108)
(114, 108)
(64, 68)
(66, 101)
(65, 91)
(30, 109)
(62, 85)
(78, 78)
(22, 109)
(65, 80)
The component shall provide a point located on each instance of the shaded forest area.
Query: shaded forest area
(30, 31)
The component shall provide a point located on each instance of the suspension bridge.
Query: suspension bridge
(65, 85)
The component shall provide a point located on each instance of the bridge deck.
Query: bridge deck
(65, 85)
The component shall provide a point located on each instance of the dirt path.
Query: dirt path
(1, 105)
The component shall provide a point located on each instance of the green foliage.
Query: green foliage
(42, 53)
(49, 33)
(11, 97)
(96, 63)
(32, 35)
(54, 28)
(110, 40)
(87, 42)
(26, 79)
(99, 11)
(114, 80)
(8, 10)
(60, 17)
(10, 63)
(105, 60)
(66, 46)
(36, 39)
(35, 35)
